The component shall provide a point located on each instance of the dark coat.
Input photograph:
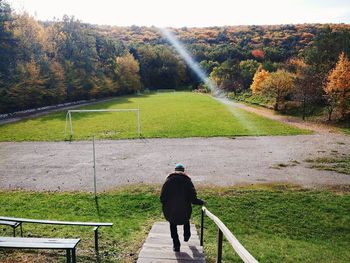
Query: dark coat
(177, 196)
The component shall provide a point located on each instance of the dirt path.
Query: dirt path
(316, 127)
(62, 166)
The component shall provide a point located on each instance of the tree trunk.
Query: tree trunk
(304, 108)
(330, 111)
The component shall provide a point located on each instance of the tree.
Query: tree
(55, 86)
(323, 53)
(259, 77)
(258, 54)
(107, 50)
(128, 72)
(274, 54)
(278, 85)
(32, 37)
(8, 45)
(307, 89)
(248, 69)
(337, 88)
(221, 53)
(227, 76)
(208, 66)
(160, 67)
(29, 91)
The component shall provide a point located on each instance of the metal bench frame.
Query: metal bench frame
(96, 225)
(12, 224)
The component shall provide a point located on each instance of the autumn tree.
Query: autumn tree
(337, 88)
(128, 71)
(55, 83)
(258, 54)
(29, 91)
(259, 77)
(43, 63)
(32, 38)
(278, 85)
(323, 53)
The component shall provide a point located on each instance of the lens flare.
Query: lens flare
(188, 58)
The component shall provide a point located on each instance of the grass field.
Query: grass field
(166, 115)
(275, 223)
(346, 130)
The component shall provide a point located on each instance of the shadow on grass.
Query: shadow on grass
(97, 207)
(61, 115)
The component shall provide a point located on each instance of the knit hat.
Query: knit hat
(179, 167)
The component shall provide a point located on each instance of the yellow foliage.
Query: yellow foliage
(260, 76)
(277, 85)
(128, 70)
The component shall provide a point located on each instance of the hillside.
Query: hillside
(46, 63)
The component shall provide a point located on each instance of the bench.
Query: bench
(96, 225)
(12, 224)
(42, 243)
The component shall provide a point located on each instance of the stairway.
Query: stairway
(158, 247)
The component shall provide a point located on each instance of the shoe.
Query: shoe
(187, 238)
(176, 249)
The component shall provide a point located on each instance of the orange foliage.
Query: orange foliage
(257, 53)
(338, 85)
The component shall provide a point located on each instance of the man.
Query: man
(177, 196)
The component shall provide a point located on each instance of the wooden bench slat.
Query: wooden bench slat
(40, 239)
(52, 222)
(38, 243)
(9, 223)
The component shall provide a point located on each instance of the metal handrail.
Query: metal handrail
(223, 230)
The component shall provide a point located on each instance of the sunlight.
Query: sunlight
(175, 42)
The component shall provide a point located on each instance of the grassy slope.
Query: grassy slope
(275, 224)
(180, 114)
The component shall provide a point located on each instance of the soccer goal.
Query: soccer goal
(165, 90)
(69, 119)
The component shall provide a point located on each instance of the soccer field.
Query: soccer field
(165, 115)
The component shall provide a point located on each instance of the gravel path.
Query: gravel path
(63, 166)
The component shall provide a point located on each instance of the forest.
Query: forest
(288, 67)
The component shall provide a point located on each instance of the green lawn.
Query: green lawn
(166, 115)
(276, 223)
(346, 130)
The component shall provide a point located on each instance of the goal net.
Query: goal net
(69, 119)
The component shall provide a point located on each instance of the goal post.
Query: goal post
(69, 119)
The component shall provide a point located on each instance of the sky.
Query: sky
(189, 13)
